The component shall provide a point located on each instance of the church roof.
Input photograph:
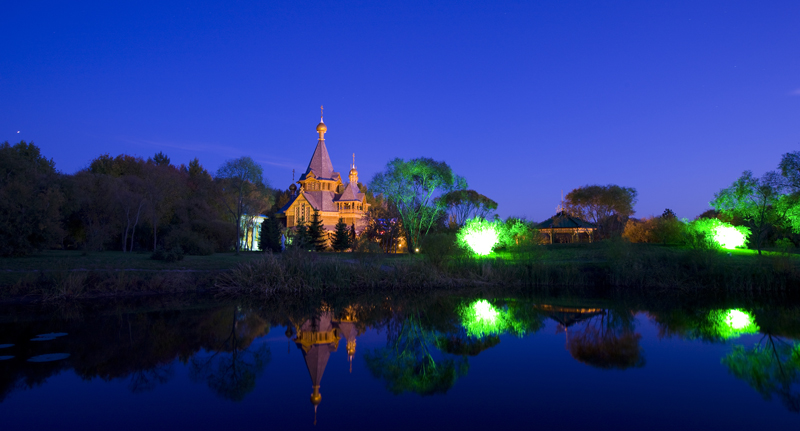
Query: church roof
(321, 200)
(320, 163)
(563, 220)
(288, 204)
(350, 193)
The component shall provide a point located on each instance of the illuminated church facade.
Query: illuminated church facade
(322, 189)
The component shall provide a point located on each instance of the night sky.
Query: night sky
(524, 99)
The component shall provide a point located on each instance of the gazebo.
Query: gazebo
(565, 223)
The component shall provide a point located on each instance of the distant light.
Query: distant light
(17, 131)
(729, 237)
(417, 250)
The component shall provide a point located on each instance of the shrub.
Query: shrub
(438, 248)
(714, 233)
(655, 230)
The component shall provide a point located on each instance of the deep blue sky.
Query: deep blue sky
(524, 99)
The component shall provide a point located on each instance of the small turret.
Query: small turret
(321, 127)
(353, 171)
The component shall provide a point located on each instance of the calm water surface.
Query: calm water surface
(441, 363)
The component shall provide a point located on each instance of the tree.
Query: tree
(270, 238)
(238, 177)
(465, 204)
(600, 204)
(301, 238)
(257, 202)
(317, 233)
(30, 200)
(160, 159)
(753, 199)
(407, 362)
(771, 368)
(341, 236)
(233, 367)
(608, 342)
(413, 187)
(163, 186)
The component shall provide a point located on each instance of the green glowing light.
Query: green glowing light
(485, 311)
(733, 323)
(729, 237)
(482, 318)
(738, 319)
(479, 236)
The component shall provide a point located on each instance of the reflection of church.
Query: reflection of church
(317, 338)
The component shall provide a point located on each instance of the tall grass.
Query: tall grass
(615, 265)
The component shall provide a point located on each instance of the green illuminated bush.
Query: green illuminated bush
(479, 236)
(482, 237)
(717, 234)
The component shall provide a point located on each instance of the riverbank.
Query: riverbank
(580, 268)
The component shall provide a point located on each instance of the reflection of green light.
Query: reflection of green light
(479, 235)
(728, 237)
(738, 320)
(733, 323)
(485, 311)
(482, 318)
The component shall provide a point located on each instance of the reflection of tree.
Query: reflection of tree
(148, 379)
(232, 369)
(713, 326)
(607, 341)
(771, 367)
(455, 344)
(408, 364)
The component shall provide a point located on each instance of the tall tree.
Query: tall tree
(413, 187)
(301, 238)
(238, 177)
(753, 199)
(30, 200)
(270, 238)
(341, 236)
(316, 230)
(600, 204)
(465, 204)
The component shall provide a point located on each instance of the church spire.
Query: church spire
(321, 127)
(353, 171)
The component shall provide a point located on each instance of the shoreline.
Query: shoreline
(607, 269)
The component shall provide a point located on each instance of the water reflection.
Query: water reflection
(233, 365)
(428, 349)
(602, 338)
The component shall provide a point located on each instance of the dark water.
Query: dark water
(420, 363)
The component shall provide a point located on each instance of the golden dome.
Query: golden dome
(316, 398)
(321, 127)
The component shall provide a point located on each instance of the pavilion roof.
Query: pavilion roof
(563, 220)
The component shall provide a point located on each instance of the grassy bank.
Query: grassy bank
(581, 268)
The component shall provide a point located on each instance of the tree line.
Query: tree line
(125, 203)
